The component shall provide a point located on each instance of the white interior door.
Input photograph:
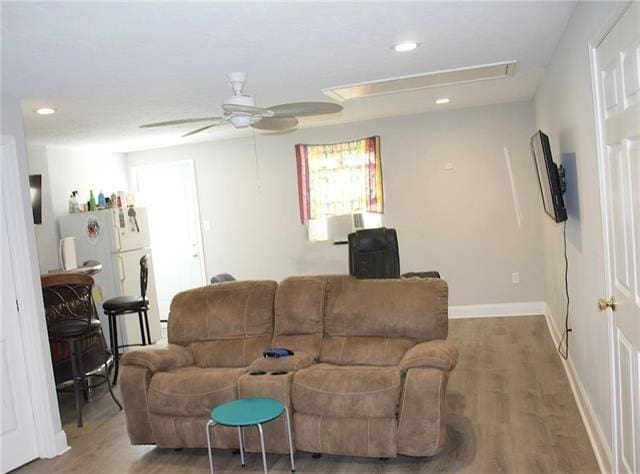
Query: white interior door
(169, 193)
(18, 440)
(617, 72)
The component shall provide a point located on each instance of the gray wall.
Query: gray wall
(46, 232)
(459, 221)
(564, 110)
(65, 170)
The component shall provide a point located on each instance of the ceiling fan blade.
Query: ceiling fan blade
(243, 109)
(275, 124)
(203, 129)
(180, 121)
(304, 109)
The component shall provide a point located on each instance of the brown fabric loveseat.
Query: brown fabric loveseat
(368, 378)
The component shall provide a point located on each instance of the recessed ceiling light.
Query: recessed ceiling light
(444, 100)
(45, 111)
(405, 46)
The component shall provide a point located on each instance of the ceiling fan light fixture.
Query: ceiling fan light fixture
(241, 121)
(405, 46)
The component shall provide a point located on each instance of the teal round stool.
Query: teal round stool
(249, 412)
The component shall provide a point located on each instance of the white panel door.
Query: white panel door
(617, 66)
(168, 191)
(18, 442)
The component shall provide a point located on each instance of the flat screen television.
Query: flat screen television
(35, 185)
(549, 177)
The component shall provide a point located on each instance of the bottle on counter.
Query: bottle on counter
(73, 203)
(72, 207)
(92, 201)
(101, 200)
(114, 200)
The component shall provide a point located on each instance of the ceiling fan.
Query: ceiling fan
(240, 111)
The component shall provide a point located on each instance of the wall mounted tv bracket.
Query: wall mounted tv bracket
(563, 179)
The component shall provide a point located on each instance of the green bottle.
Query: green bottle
(92, 201)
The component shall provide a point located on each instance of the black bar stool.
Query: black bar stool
(121, 305)
(72, 318)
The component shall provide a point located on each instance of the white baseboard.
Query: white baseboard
(62, 446)
(598, 441)
(526, 308)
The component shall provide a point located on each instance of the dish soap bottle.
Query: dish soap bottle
(92, 201)
(101, 200)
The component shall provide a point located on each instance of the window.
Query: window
(339, 179)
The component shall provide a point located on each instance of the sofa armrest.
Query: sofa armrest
(437, 354)
(159, 358)
(297, 361)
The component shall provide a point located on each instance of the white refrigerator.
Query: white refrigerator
(118, 241)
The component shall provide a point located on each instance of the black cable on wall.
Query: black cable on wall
(567, 329)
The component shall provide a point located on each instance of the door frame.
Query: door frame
(192, 169)
(50, 437)
(593, 44)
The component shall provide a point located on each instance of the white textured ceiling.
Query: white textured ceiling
(108, 67)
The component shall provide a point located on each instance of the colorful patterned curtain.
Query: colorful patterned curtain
(341, 178)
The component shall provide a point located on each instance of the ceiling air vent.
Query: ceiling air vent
(423, 81)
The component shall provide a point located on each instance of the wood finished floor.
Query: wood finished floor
(510, 409)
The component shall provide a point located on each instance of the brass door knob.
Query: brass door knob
(610, 303)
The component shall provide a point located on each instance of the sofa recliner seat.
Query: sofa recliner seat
(347, 391)
(192, 391)
(368, 377)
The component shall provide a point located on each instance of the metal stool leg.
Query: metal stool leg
(293, 466)
(146, 323)
(106, 369)
(84, 381)
(264, 456)
(142, 335)
(111, 345)
(241, 445)
(75, 375)
(116, 351)
(210, 424)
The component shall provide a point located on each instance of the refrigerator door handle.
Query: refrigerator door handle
(61, 257)
(118, 241)
(121, 265)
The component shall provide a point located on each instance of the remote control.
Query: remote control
(276, 352)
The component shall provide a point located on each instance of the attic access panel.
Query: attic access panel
(423, 81)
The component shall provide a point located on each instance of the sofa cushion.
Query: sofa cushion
(299, 304)
(308, 343)
(347, 391)
(192, 391)
(412, 308)
(364, 350)
(224, 311)
(229, 352)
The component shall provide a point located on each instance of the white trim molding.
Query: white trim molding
(596, 435)
(526, 308)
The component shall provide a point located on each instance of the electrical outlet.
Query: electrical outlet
(515, 278)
